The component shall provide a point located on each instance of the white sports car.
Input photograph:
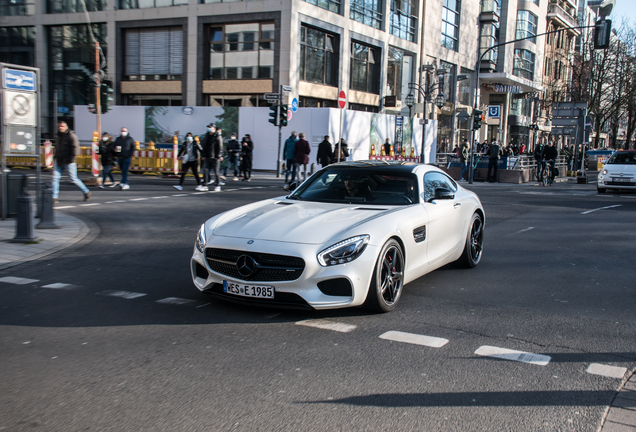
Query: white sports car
(619, 172)
(353, 234)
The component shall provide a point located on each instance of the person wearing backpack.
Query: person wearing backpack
(494, 153)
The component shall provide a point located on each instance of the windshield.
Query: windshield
(355, 186)
(623, 158)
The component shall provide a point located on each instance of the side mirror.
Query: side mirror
(443, 193)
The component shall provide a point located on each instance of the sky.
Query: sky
(623, 9)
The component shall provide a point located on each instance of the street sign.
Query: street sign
(564, 122)
(289, 115)
(18, 80)
(342, 99)
(21, 141)
(294, 105)
(463, 116)
(20, 108)
(562, 131)
(62, 110)
(494, 111)
(287, 89)
(398, 121)
(271, 96)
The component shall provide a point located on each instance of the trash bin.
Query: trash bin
(16, 182)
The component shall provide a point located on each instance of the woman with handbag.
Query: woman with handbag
(189, 154)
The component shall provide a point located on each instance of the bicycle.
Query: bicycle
(548, 176)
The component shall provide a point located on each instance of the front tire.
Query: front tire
(474, 243)
(386, 285)
(600, 190)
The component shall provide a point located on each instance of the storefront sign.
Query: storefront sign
(501, 88)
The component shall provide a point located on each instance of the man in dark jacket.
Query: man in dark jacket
(464, 154)
(66, 151)
(233, 152)
(289, 153)
(107, 151)
(124, 148)
(325, 152)
(213, 154)
(494, 153)
(302, 154)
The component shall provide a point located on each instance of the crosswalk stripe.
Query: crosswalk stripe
(128, 295)
(513, 355)
(58, 286)
(606, 370)
(327, 325)
(181, 302)
(17, 280)
(412, 338)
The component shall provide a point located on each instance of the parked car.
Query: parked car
(619, 172)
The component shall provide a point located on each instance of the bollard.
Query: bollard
(24, 221)
(47, 220)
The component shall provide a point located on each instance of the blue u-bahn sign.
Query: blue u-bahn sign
(18, 80)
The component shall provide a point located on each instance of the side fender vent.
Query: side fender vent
(419, 234)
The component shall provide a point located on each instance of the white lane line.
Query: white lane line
(327, 325)
(180, 195)
(524, 230)
(138, 199)
(58, 286)
(514, 355)
(601, 208)
(128, 295)
(181, 302)
(159, 197)
(64, 207)
(117, 201)
(198, 193)
(606, 370)
(630, 197)
(17, 280)
(412, 338)
(230, 190)
(246, 188)
(88, 205)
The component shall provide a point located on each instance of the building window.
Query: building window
(141, 4)
(403, 19)
(491, 6)
(330, 5)
(367, 12)
(365, 68)
(318, 56)
(450, 24)
(153, 100)
(309, 102)
(524, 64)
(17, 7)
(399, 73)
(241, 51)
(361, 107)
(527, 25)
(17, 45)
(72, 6)
(153, 54)
(488, 39)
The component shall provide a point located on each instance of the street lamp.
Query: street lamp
(440, 100)
(410, 101)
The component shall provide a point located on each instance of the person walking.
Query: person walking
(233, 152)
(206, 145)
(213, 151)
(325, 152)
(124, 149)
(247, 150)
(463, 158)
(66, 152)
(387, 147)
(289, 152)
(302, 154)
(189, 154)
(107, 151)
(494, 153)
(344, 151)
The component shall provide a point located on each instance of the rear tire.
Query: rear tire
(474, 243)
(386, 285)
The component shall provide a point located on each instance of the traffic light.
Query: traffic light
(273, 114)
(106, 95)
(602, 33)
(477, 119)
(283, 115)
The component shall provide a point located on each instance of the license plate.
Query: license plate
(625, 180)
(258, 291)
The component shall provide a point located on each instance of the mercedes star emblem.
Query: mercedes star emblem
(246, 266)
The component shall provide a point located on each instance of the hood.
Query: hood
(296, 221)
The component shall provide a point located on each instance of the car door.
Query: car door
(445, 232)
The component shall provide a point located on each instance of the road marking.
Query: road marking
(88, 205)
(412, 338)
(524, 230)
(602, 208)
(18, 280)
(630, 197)
(327, 325)
(159, 197)
(606, 370)
(180, 301)
(230, 190)
(180, 195)
(57, 286)
(508, 354)
(123, 294)
(138, 199)
(64, 207)
(198, 193)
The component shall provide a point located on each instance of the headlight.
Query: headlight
(344, 251)
(604, 171)
(201, 240)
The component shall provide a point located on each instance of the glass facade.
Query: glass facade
(17, 7)
(72, 64)
(153, 54)
(141, 4)
(527, 25)
(403, 19)
(72, 6)
(524, 64)
(445, 116)
(450, 24)
(399, 73)
(330, 5)
(17, 45)
(318, 56)
(367, 12)
(365, 68)
(241, 51)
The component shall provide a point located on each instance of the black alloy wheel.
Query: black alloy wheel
(474, 243)
(386, 285)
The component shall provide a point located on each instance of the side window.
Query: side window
(435, 180)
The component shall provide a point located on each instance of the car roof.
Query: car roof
(384, 165)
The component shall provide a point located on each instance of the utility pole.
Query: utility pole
(98, 86)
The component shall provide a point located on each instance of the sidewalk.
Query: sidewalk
(48, 241)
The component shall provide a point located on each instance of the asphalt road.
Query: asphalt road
(555, 280)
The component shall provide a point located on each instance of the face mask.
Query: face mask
(209, 129)
(104, 138)
(233, 137)
(124, 134)
(189, 139)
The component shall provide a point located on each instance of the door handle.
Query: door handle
(457, 205)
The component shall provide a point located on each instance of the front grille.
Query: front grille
(336, 287)
(611, 183)
(269, 267)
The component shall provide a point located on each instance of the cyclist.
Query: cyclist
(538, 158)
(549, 155)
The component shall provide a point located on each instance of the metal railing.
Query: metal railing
(557, 9)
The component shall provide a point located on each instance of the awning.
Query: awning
(506, 79)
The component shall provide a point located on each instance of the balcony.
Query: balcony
(559, 11)
(490, 11)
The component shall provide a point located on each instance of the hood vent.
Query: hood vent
(370, 208)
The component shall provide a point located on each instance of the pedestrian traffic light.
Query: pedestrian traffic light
(106, 95)
(477, 119)
(273, 114)
(283, 115)
(602, 33)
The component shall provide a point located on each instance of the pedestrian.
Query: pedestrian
(66, 152)
(289, 152)
(206, 145)
(213, 151)
(302, 154)
(325, 152)
(189, 154)
(223, 163)
(233, 152)
(107, 151)
(494, 153)
(463, 157)
(344, 151)
(124, 149)
(247, 150)
(387, 147)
